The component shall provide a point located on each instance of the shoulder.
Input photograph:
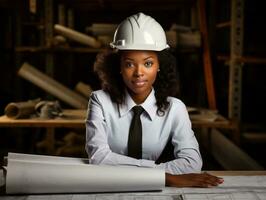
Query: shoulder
(175, 102)
(176, 105)
(177, 111)
(100, 102)
(100, 96)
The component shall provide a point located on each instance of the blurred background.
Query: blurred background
(48, 49)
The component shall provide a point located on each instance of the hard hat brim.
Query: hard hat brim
(140, 47)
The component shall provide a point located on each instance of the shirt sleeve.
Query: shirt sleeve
(188, 161)
(97, 146)
(186, 148)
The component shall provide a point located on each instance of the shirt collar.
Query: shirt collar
(149, 105)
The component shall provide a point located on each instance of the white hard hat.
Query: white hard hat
(139, 32)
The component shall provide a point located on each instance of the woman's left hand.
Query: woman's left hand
(192, 180)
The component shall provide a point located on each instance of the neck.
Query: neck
(139, 98)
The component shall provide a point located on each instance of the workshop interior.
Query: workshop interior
(48, 49)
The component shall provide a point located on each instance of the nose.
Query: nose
(138, 71)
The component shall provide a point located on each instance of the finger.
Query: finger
(214, 178)
(210, 180)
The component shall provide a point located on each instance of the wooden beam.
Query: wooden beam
(206, 56)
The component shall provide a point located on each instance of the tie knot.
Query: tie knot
(137, 110)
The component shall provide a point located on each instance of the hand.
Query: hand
(192, 180)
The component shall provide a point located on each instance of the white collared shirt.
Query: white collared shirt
(107, 128)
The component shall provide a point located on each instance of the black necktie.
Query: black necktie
(135, 134)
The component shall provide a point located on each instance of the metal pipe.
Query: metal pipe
(51, 86)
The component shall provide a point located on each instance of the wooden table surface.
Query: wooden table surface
(237, 173)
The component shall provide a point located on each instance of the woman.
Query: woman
(139, 74)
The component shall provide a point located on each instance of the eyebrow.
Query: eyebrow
(127, 58)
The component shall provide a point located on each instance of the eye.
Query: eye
(129, 64)
(148, 64)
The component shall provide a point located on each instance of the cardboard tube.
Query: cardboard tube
(51, 86)
(83, 89)
(18, 110)
(77, 36)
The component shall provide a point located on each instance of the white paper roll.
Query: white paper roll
(33, 177)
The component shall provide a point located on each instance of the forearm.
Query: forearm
(107, 157)
(168, 179)
(188, 161)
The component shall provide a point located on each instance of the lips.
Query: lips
(139, 83)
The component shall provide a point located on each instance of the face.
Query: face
(139, 70)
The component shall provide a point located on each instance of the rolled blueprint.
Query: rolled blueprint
(33, 176)
(102, 29)
(18, 110)
(83, 89)
(51, 86)
(77, 36)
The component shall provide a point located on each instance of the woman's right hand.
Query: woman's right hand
(192, 180)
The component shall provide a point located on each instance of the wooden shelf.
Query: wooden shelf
(189, 50)
(76, 119)
(38, 25)
(223, 24)
(255, 137)
(33, 49)
(243, 59)
(71, 119)
(125, 6)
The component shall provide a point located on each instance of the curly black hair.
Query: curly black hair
(107, 66)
